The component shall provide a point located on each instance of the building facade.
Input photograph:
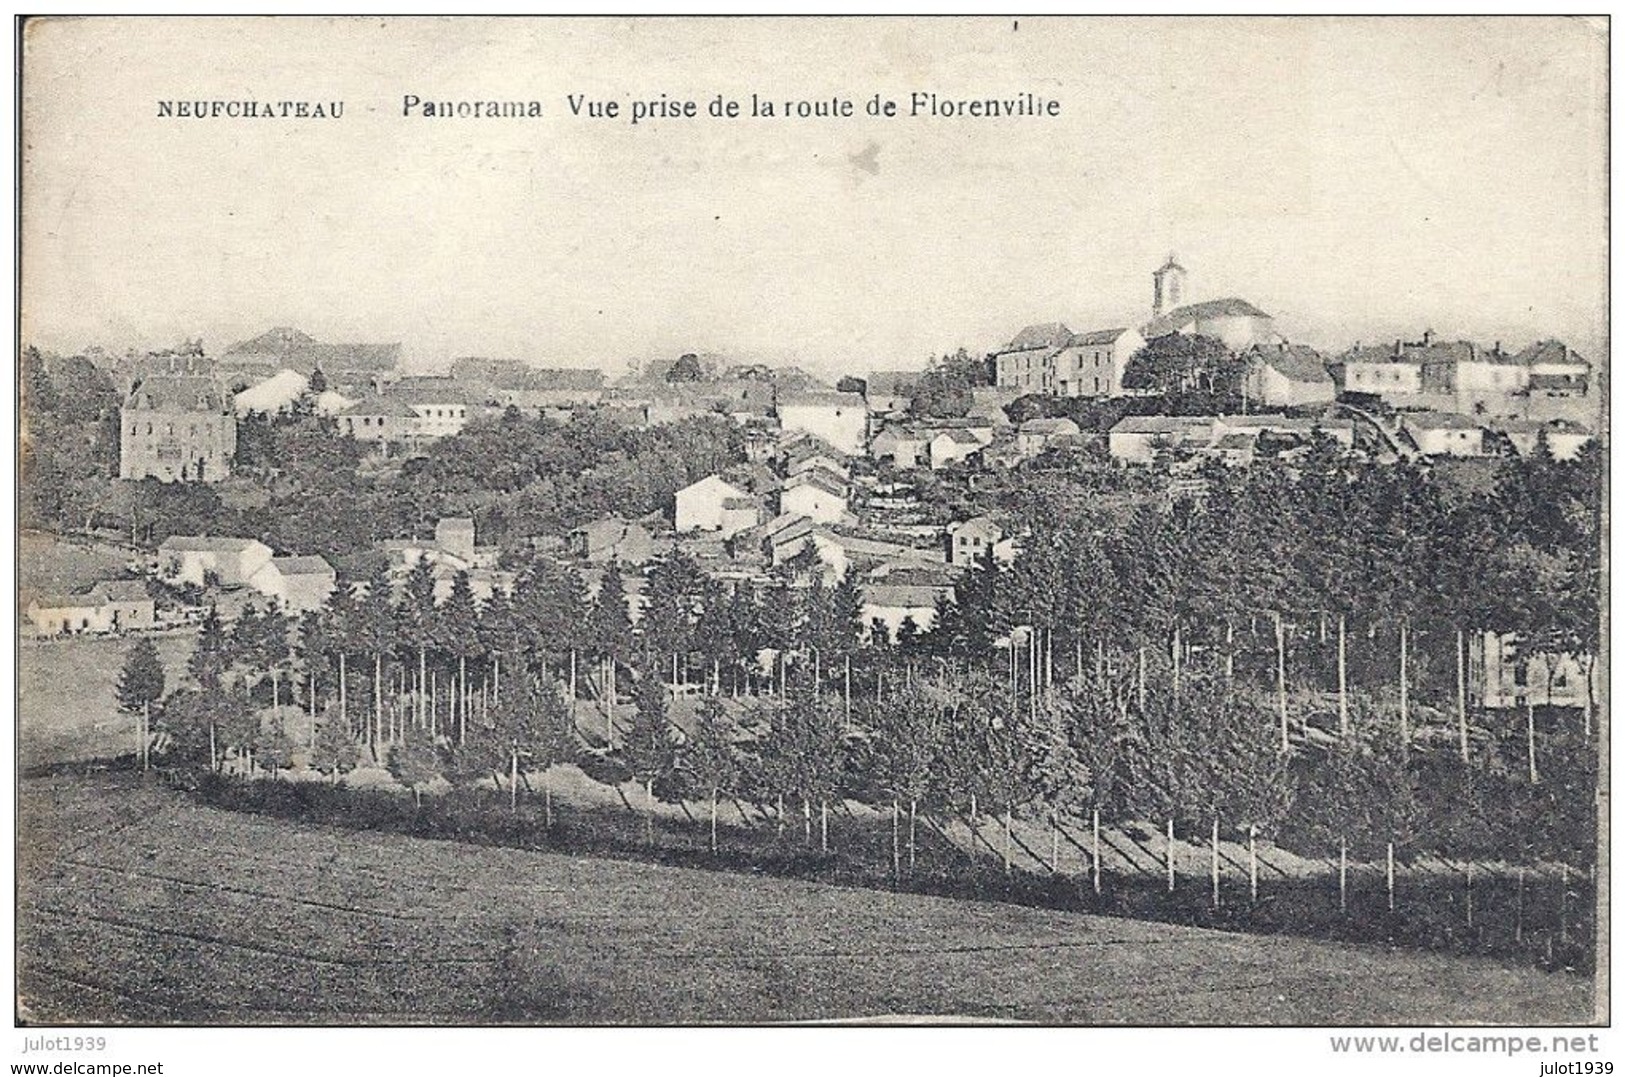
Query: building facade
(177, 428)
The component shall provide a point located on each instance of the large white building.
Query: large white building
(842, 419)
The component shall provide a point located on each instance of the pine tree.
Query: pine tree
(141, 683)
(212, 654)
(708, 760)
(415, 761)
(335, 752)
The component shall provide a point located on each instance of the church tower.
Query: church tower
(1169, 287)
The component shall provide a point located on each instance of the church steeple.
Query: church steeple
(1168, 290)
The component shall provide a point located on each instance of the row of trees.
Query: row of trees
(1176, 664)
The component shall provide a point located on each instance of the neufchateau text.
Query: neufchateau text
(636, 110)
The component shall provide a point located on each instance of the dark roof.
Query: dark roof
(1160, 424)
(901, 595)
(828, 398)
(1179, 317)
(1551, 351)
(1045, 335)
(887, 382)
(959, 436)
(293, 348)
(177, 392)
(382, 405)
(1296, 362)
(429, 389)
(515, 376)
(1439, 420)
(1049, 426)
(123, 590)
(820, 478)
(302, 566)
(207, 543)
(1096, 336)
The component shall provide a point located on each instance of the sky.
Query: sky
(1359, 178)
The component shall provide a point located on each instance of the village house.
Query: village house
(1443, 433)
(1287, 376)
(1137, 439)
(970, 541)
(56, 615)
(1504, 677)
(1027, 363)
(782, 537)
(378, 419)
(903, 446)
(1559, 384)
(805, 451)
(296, 584)
(952, 446)
(816, 494)
(1091, 364)
(1564, 439)
(1384, 372)
(1036, 435)
(272, 396)
(109, 606)
(988, 403)
(202, 559)
(889, 605)
(842, 419)
(700, 506)
(362, 365)
(509, 383)
(887, 391)
(1302, 427)
(453, 548)
(177, 427)
(611, 539)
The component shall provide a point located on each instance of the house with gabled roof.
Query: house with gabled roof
(1137, 439)
(1091, 364)
(1286, 375)
(295, 584)
(1036, 435)
(109, 606)
(1443, 433)
(816, 494)
(700, 506)
(1027, 362)
(889, 605)
(952, 446)
(198, 559)
(842, 419)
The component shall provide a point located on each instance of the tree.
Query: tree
(415, 761)
(1180, 363)
(686, 368)
(650, 751)
(708, 759)
(455, 630)
(211, 655)
(141, 683)
(336, 751)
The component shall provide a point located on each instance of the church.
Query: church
(1235, 321)
(1052, 360)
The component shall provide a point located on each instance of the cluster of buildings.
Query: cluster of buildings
(1432, 397)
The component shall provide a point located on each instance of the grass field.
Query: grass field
(66, 704)
(139, 905)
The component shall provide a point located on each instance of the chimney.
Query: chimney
(1427, 337)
